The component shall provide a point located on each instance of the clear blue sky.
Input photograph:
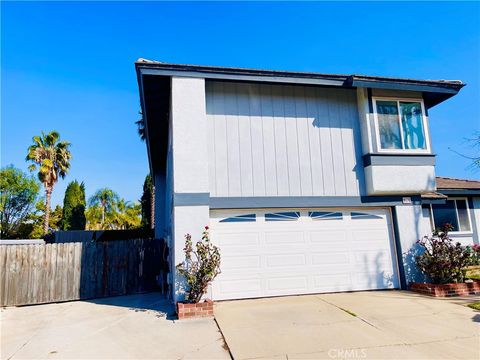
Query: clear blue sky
(69, 66)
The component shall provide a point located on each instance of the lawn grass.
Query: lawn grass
(475, 305)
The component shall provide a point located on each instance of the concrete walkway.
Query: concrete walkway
(126, 327)
(363, 325)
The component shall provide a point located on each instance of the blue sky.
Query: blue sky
(69, 66)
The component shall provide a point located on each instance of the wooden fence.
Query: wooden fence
(34, 274)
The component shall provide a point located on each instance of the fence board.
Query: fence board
(12, 275)
(3, 254)
(40, 273)
(76, 270)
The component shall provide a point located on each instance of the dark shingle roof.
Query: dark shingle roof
(457, 84)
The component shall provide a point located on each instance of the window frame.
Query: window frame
(470, 232)
(427, 149)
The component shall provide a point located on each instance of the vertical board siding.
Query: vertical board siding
(233, 139)
(283, 140)
(280, 140)
(35, 274)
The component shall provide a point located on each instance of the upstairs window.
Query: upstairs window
(400, 125)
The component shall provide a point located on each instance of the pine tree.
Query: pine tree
(73, 216)
(147, 203)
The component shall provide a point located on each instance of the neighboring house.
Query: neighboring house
(309, 182)
(457, 202)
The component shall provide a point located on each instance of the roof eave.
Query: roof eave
(435, 91)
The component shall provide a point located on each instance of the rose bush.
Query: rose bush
(200, 267)
(444, 260)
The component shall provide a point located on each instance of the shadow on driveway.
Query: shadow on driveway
(153, 302)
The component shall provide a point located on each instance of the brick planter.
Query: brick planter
(460, 289)
(189, 310)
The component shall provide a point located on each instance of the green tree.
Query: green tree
(125, 216)
(32, 227)
(52, 157)
(93, 215)
(106, 199)
(74, 203)
(147, 203)
(18, 193)
(148, 215)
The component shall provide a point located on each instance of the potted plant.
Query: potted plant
(200, 268)
(445, 263)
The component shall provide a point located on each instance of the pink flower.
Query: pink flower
(206, 227)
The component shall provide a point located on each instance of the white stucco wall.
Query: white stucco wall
(189, 131)
(365, 119)
(398, 179)
(190, 168)
(411, 227)
(188, 220)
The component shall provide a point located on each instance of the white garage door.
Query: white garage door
(285, 252)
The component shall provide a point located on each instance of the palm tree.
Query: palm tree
(141, 126)
(107, 200)
(126, 215)
(52, 157)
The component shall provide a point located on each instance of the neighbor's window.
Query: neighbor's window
(400, 125)
(454, 212)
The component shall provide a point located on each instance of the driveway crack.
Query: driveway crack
(349, 312)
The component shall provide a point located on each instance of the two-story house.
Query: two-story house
(309, 182)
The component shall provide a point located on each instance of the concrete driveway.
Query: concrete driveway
(362, 325)
(126, 327)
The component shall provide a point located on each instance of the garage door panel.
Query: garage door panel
(372, 263)
(337, 282)
(330, 258)
(241, 262)
(286, 260)
(372, 234)
(287, 283)
(226, 239)
(238, 288)
(338, 237)
(330, 269)
(304, 254)
(372, 280)
(291, 238)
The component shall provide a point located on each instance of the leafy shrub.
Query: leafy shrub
(200, 267)
(475, 255)
(443, 259)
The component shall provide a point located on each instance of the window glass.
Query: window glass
(462, 209)
(240, 218)
(388, 125)
(358, 215)
(325, 215)
(412, 124)
(445, 213)
(283, 216)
